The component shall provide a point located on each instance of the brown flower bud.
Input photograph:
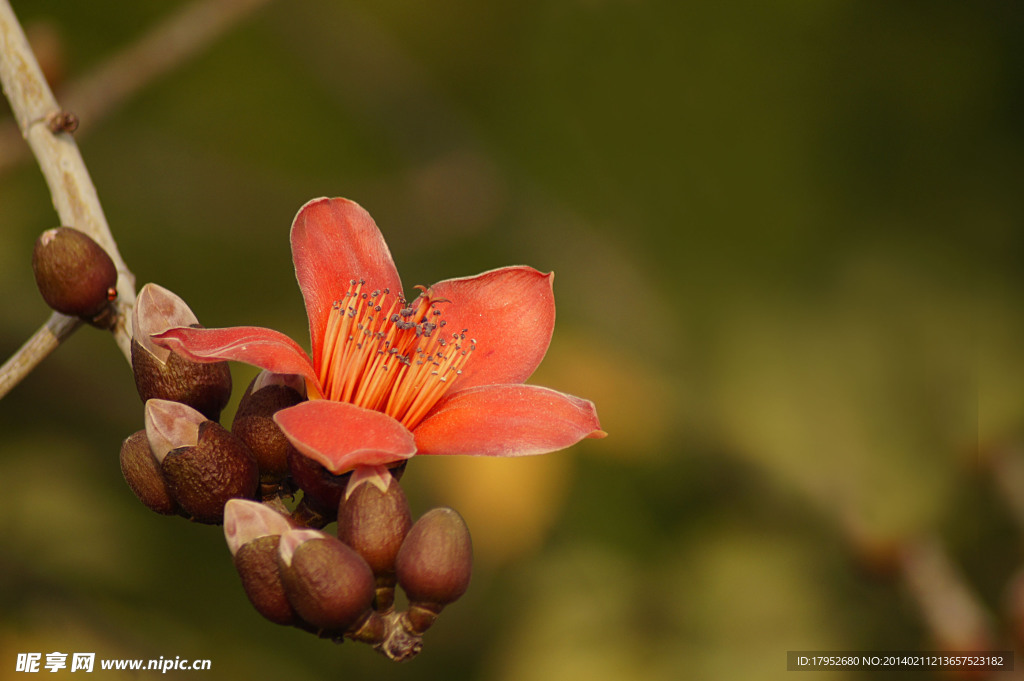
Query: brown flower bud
(434, 564)
(374, 521)
(328, 584)
(74, 274)
(254, 422)
(203, 463)
(142, 473)
(321, 489)
(162, 374)
(256, 563)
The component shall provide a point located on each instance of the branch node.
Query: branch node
(61, 121)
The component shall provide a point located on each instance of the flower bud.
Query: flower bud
(162, 374)
(374, 518)
(203, 463)
(74, 274)
(253, 532)
(321, 489)
(256, 563)
(434, 564)
(254, 421)
(328, 584)
(142, 473)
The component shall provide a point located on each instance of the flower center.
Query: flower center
(383, 354)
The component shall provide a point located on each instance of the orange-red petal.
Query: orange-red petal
(265, 348)
(509, 313)
(507, 420)
(333, 242)
(340, 436)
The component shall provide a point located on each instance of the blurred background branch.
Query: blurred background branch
(172, 42)
(949, 608)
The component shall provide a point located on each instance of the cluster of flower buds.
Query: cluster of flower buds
(184, 461)
(75, 275)
(343, 586)
(336, 586)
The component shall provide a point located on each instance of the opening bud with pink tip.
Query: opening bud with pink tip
(373, 518)
(434, 565)
(162, 374)
(253, 533)
(328, 584)
(203, 463)
(246, 521)
(75, 275)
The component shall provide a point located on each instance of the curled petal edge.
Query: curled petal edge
(507, 420)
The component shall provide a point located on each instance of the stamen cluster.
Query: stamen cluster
(381, 353)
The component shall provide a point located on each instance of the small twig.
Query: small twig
(42, 343)
(71, 189)
(180, 37)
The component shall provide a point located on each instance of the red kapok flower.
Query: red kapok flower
(442, 374)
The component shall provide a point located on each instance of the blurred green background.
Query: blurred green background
(787, 238)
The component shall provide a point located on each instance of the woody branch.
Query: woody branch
(71, 189)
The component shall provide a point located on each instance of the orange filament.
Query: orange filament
(382, 354)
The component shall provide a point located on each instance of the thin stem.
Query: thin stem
(42, 343)
(71, 189)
